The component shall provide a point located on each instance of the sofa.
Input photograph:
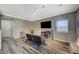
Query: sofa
(36, 40)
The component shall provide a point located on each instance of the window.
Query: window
(62, 26)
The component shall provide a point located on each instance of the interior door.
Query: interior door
(6, 28)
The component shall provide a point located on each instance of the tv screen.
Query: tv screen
(46, 24)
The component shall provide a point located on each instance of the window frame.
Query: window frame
(65, 26)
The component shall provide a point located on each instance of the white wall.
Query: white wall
(36, 27)
(19, 26)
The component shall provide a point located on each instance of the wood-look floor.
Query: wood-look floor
(19, 46)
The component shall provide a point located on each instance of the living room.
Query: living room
(55, 26)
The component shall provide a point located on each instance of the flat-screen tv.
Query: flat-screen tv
(46, 24)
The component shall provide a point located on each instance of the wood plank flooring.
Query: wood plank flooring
(19, 46)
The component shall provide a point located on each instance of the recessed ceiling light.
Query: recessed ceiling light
(43, 6)
(60, 5)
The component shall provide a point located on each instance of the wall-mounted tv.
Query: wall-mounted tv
(46, 24)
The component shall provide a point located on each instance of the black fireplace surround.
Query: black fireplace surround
(34, 39)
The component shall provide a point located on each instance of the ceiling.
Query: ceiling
(33, 12)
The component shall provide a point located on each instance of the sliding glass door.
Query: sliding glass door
(6, 28)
